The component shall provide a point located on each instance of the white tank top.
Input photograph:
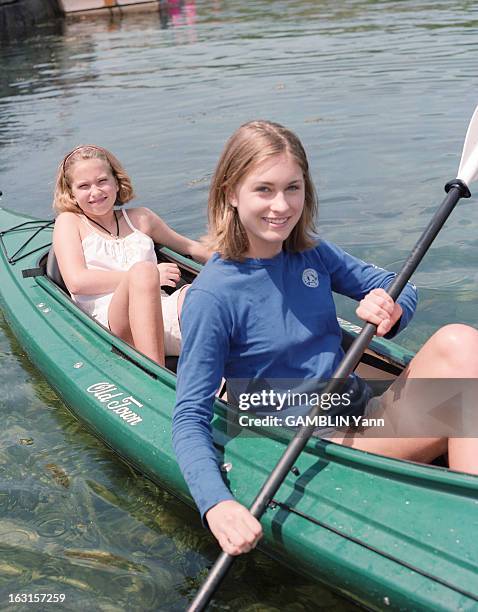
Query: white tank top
(102, 253)
(118, 254)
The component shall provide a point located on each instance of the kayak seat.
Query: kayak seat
(171, 362)
(53, 271)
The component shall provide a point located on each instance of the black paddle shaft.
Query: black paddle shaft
(455, 189)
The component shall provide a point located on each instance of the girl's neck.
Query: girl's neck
(106, 219)
(109, 222)
(263, 253)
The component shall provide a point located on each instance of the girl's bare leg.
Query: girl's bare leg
(135, 313)
(451, 353)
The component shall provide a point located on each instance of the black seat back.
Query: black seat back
(53, 271)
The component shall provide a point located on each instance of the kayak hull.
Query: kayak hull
(388, 534)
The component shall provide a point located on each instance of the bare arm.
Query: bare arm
(161, 233)
(69, 253)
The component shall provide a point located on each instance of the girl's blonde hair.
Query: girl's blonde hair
(63, 199)
(250, 145)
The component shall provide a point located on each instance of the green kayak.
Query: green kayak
(388, 534)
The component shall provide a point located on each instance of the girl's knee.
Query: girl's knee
(144, 275)
(457, 343)
(455, 336)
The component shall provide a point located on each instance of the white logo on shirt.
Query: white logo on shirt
(310, 278)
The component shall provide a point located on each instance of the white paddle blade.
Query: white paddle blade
(468, 170)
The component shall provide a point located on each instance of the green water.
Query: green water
(381, 94)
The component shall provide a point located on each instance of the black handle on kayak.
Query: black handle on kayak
(455, 189)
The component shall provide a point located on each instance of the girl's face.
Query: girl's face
(93, 186)
(269, 203)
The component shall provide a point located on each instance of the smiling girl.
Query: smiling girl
(262, 308)
(107, 257)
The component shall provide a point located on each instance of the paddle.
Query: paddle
(456, 189)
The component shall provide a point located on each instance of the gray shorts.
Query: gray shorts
(365, 402)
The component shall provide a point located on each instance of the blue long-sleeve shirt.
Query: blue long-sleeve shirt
(260, 318)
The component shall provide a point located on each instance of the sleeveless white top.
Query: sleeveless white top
(118, 254)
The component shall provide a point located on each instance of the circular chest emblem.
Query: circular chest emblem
(310, 278)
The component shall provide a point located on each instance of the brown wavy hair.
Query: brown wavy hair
(250, 145)
(63, 199)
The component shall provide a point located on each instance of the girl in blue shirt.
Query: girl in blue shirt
(262, 308)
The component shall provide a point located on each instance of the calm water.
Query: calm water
(381, 94)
